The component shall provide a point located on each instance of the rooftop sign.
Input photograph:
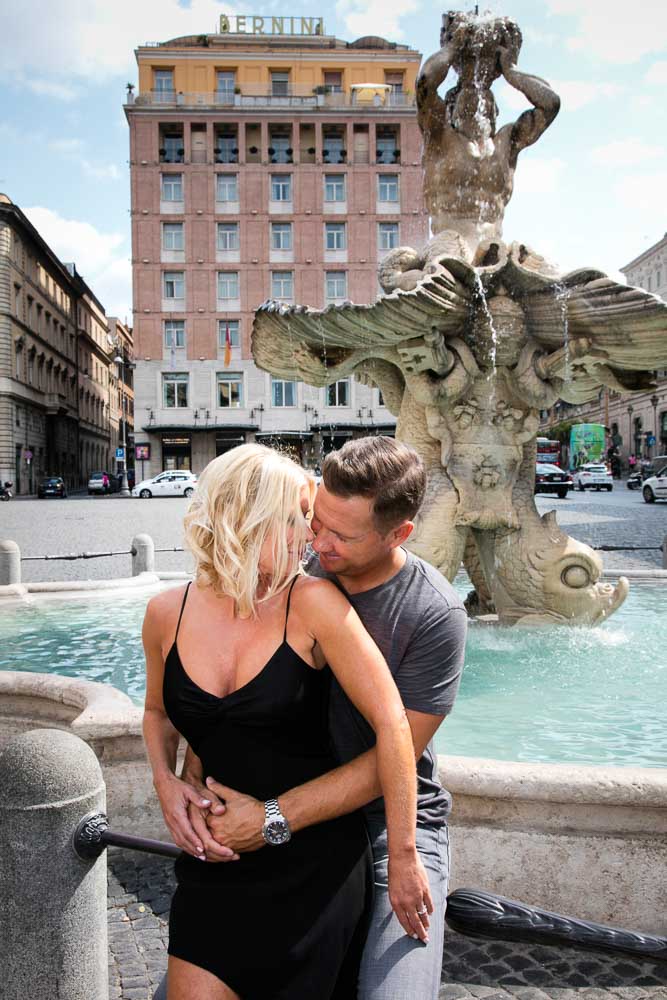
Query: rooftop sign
(251, 24)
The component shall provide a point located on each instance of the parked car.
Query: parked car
(655, 488)
(550, 478)
(593, 476)
(173, 483)
(96, 483)
(52, 486)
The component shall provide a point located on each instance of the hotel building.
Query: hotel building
(263, 165)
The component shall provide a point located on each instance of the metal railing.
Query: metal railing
(296, 96)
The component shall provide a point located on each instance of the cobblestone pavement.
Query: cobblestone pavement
(84, 523)
(139, 893)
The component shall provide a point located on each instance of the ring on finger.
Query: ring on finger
(422, 911)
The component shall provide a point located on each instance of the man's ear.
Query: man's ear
(397, 536)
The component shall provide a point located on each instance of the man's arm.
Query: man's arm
(336, 793)
(531, 124)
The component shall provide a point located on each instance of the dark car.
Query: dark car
(52, 486)
(551, 479)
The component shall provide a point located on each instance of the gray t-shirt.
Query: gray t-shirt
(419, 623)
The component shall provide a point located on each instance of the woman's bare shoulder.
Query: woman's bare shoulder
(312, 593)
(163, 609)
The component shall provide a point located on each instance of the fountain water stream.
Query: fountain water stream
(475, 336)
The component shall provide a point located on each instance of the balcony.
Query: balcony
(371, 98)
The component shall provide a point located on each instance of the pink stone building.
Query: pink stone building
(262, 166)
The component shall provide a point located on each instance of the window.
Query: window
(173, 285)
(281, 235)
(172, 236)
(338, 394)
(658, 282)
(395, 81)
(234, 332)
(336, 284)
(172, 187)
(226, 148)
(171, 148)
(280, 84)
(226, 187)
(282, 285)
(225, 83)
(174, 333)
(228, 236)
(333, 81)
(230, 390)
(649, 283)
(281, 187)
(335, 236)
(334, 187)
(280, 147)
(388, 187)
(228, 285)
(283, 393)
(388, 235)
(175, 390)
(163, 83)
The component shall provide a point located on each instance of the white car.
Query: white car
(593, 476)
(173, 483)
(655, 488)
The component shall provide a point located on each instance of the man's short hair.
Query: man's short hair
(385, 471)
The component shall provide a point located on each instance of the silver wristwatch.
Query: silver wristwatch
(276, 828)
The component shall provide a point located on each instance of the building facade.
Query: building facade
(637, 422)
(263, 166)
(55, 377)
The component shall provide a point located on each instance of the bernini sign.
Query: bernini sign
(251, 24)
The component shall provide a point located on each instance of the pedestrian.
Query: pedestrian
(105, 482)
(290, 922)
(632, 462)
(371, 492)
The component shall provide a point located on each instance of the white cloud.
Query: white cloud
(108, 172)
(613, 31)
(642, 193)
(576, 94)
(627, 153)
(538, 175)
(657, 73)
(375, 17)
(65, 146)
(48, 88)
(101, 258)
(71, 41)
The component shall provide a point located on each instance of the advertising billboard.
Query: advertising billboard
(586, 444)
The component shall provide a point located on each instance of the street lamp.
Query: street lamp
(120, 361)
(654, 403)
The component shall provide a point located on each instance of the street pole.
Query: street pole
(120, 361)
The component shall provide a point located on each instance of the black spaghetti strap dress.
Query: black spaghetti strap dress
(286, 922)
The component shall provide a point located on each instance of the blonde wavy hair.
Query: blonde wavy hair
(243, 497)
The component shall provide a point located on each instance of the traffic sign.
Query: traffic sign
(120, 453)
(650, 440)
(27, 454)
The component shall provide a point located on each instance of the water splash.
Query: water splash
(561, 294)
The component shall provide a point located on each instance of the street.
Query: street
(94, 524)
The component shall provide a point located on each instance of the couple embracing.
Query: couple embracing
(308, 667)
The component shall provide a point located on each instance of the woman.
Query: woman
(235, 664)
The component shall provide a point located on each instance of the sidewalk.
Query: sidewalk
(140, 889)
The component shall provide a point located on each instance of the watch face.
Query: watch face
(277, 832)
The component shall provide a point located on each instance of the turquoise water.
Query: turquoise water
(590, 696)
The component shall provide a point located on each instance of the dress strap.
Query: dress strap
(185, 597)
(289, 598)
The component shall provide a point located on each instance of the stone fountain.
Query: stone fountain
(475, 336)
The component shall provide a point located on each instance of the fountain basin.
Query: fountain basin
(587, 841)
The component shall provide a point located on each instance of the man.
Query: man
(372, 489)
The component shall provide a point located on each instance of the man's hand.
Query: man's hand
(506, 60)
(239, 828)
(175, 796)
(410, 894)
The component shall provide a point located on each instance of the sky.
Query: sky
(591, 192)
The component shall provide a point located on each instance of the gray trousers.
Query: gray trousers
(395, 966)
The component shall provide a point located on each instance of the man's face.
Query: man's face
(346, 539)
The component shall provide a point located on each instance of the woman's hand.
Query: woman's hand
(410, 895)
(175, 796)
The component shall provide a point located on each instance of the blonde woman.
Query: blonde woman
(236, 665)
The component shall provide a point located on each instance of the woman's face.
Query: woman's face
(293, 537)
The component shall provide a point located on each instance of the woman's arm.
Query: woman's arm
(364, 676)
(162, 739)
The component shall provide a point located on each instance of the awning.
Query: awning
(370, 92)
